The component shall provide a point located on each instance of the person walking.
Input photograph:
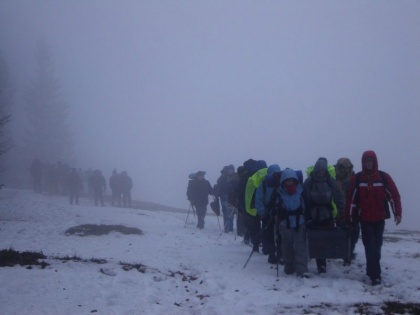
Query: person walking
(324, 202)
(74, 185)
(344, 172)
(98, 184)
(368, 198)
(290, 215)
(126, 187)
(198, 192)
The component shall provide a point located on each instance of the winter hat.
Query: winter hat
(201, 173)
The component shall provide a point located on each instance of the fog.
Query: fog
(162, 89)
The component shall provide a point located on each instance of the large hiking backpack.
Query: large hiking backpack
(327, 210)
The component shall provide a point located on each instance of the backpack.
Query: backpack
(328, 211)
(383, 178)
(215, 206)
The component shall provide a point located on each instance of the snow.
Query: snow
(185, 270)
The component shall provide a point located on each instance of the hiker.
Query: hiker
(252, 218)
(344, 172)
(115, 185)
(265, 197)
(98, 183)
(74, 186)
(126, 186)
(368, 198)
(198, 192)
(290, 210)
(324, 201)
(36, 170)
(223, 189)
(239, 197)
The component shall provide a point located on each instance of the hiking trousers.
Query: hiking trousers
(372, 238)
(294, 250)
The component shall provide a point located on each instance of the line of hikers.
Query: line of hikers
(61, 179)
(276, 208)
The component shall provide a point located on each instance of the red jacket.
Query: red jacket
(369, 192)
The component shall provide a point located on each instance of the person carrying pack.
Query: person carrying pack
(368, 198)
(290, 209)
(324, 201)
(264, 203)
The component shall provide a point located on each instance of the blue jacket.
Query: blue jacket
(265, 190)
(291, 202)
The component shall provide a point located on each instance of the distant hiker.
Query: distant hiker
(265, 198)
(126, 187)
(74, 186)
(198, 192)
(290, 215)
(115, 185)
(98, 184)
(344, 172)
(369, 195)
(324, 201)
(36, 170)
(252, 218)
(224, 190)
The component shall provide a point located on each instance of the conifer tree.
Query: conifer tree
(48, 136)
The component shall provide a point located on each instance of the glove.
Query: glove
(397, 220)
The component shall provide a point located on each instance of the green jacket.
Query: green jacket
(251, 186)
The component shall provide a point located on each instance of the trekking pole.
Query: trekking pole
(189, 209)
(252, 251)
(192, 206)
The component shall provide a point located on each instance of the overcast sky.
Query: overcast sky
(165, 88)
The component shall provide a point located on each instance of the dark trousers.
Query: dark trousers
(253, 224)
(227, 217)
(201, 213)
(372, 237)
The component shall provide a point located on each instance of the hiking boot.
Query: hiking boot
(272, 259)
(256, 248)
(322, 269)
(304, 275)
(376, 282)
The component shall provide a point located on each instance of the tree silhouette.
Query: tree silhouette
(47, 135)
(6, 99)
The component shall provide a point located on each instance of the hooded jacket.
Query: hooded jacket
(289, 202)
(369, 192)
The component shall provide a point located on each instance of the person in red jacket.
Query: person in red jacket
(369, 195)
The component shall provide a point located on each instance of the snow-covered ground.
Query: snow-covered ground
(176, 269)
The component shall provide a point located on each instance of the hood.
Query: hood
(320, 165)
(273, 168)
(370, 154)
(288, 173)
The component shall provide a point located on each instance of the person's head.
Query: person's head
(321, 169)
(200, 175)
(369, 162)
(343, 167)
(289, 181)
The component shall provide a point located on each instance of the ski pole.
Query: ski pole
(189, 209)
(252, 251)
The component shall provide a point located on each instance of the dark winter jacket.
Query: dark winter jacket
(369, 194)
(198, 192)
(74, 182)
